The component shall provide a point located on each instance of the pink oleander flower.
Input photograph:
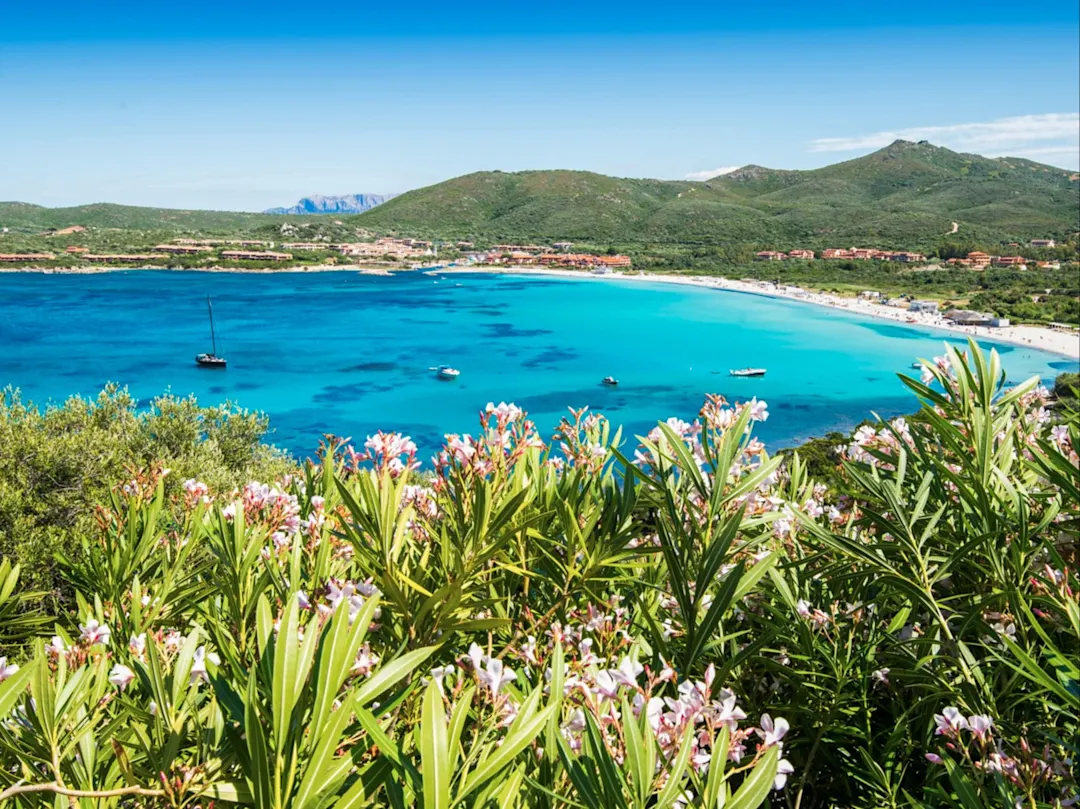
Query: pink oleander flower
(933, 758)
(772, 731)
(503, 412)
(495, 676)
(440, 673)
(783, 770)
(198, 665)
(950, 722)
(137, 644)
(366, 661)
(759, 410)
(7, 669)
(121, 676)
(980, 725)
(627, 673)
(461, 448)
(56, 647)
(730, 714)
(605, 685)
(93, 633)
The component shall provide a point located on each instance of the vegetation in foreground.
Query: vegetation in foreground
(699, 626)
(57, 464)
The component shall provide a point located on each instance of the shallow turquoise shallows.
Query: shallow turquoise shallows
(349, 354)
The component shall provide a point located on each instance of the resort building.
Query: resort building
(978, 260)
(770, 255)
(562, 245)
(464, 245)
(1048, 265)
(907, 258)
(966, 317)
(182, 249)
(219, 242)
(870, 295)
(121, 259)
(930, 307)
(76, 249)
(255, 255)
(307, 246)
(1009, 261)
(862, 253)
(835, 253)
(805, 255)
(13, 257)
(1042, 243)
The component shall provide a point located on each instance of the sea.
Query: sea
(348, 354)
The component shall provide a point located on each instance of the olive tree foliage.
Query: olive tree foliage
(57, 462)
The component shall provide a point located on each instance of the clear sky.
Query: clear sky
(243, 106)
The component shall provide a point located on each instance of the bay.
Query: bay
(349, 354)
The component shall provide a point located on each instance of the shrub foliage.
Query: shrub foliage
(565, 625)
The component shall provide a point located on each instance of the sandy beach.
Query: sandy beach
(1064, 343)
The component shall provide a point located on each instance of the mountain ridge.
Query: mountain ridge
(901, 195)
(342, 203)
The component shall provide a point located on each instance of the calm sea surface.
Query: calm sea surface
(349, 354)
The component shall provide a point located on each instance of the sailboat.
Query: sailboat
(211, 360)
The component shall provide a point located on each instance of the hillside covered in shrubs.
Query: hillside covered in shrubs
(594, 621)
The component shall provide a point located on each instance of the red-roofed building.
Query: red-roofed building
(805, 255)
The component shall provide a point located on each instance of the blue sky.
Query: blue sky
(242, 106)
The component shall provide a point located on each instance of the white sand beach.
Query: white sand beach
(1065, 343)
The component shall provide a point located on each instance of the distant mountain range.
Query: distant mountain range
(344, 204)
(905, 196)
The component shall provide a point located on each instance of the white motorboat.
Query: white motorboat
(446, 372)
(748, 372)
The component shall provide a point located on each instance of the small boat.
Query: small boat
(918, 366)
(211, 360)
(610, 381)
(748, 372)
(446, 372)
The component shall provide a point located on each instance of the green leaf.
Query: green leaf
(962, 786)
(755, 789)
(520, 736)
(391, 673)
(434, 755)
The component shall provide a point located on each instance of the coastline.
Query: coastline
(104, 268)
(1065, 344)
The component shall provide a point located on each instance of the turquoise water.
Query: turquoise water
(349, 354)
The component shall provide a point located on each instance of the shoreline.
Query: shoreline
(105, 268)
(1064, 344)
(1061, 343)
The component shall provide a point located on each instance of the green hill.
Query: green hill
(904, 195)
(23, 216)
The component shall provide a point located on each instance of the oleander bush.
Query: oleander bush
(676, 621)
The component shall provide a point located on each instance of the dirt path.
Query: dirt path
(955, 227)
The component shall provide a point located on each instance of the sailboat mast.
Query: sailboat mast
(213, 337)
